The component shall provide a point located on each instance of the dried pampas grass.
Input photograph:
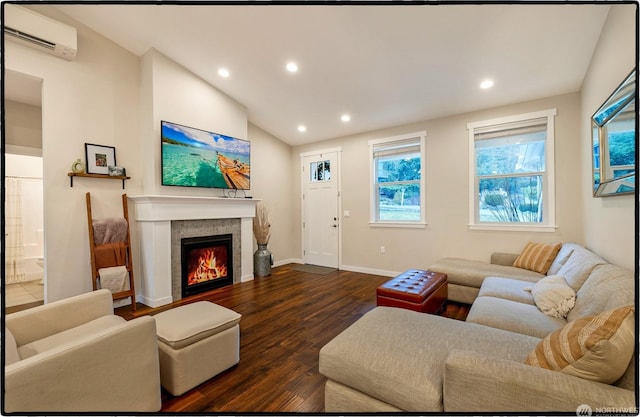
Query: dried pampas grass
(261, 226)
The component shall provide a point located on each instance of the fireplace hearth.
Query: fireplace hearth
(207, 263)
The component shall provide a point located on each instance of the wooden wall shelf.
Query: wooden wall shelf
(103, 176)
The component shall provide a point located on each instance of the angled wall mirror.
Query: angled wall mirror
(613, 140)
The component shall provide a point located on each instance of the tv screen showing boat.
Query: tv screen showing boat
(196, 158)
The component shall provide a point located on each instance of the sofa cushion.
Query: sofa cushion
(561, 258)
(340, 398)
(187, 324)
(502, 258)
(51, 318)
(537, 256)
(608, 287)
(598, 348)
(472, 273)
(577, 268)
(628, 379)
(10, 348)
(508, 289)
(58, 339)
(397, 355)
(513, 316)
(553, 296)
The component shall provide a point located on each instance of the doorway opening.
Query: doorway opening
(24, 230)
(25, 271)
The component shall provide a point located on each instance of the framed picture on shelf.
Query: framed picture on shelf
(117, 171)
(99, 158)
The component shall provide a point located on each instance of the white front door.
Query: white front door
(320, 220)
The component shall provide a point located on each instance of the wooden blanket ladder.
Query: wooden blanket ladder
(111, 254)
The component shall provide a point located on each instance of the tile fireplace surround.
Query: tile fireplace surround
(154, 215)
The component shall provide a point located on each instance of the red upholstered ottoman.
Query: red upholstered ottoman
(415, 289)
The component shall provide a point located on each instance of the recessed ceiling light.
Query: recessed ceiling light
(345, 118)
(486, 84)
(302, 128)
(292, 67)
(223, 72)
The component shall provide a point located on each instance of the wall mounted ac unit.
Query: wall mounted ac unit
(40, 32)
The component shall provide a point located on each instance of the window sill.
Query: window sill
(400, 225)
(514, 228)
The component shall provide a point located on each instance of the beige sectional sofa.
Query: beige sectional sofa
(400, 360)
(466, 276)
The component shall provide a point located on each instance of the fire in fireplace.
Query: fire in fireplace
(207, 263)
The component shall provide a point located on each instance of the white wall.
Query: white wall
(111, 97)
(172, 93)
(23, 125)
(447, 185)
(92, 99)
(271, 170)
(609, 222)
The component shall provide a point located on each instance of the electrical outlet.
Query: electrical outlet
(382, 249)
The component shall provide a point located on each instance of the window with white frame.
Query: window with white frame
(511, 164)
(397, 180)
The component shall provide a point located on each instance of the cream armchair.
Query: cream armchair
(76, 355)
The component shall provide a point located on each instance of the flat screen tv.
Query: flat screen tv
(197, 158)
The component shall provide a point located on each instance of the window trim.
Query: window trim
(549, 225)
(373, 209)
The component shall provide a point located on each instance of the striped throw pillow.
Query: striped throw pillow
(538, 257)
(597, 348)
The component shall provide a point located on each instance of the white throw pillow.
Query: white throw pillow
(553, 296)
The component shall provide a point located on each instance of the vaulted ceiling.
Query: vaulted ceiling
(384, 65)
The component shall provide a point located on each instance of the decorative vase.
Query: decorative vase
(262, 261)
(77, 167)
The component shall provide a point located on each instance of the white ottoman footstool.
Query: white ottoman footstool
(196, 342)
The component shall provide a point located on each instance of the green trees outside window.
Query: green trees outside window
(398, 179)
(397, 183)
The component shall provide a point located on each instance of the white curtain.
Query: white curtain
(14, 245)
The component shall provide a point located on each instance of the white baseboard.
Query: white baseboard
(371, 271)
(288, 261)
(153, 303)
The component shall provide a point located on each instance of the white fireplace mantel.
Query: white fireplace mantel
(153, 215)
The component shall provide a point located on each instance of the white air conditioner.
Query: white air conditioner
(37, 31)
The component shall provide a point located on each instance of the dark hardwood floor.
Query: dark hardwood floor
(286, 318)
